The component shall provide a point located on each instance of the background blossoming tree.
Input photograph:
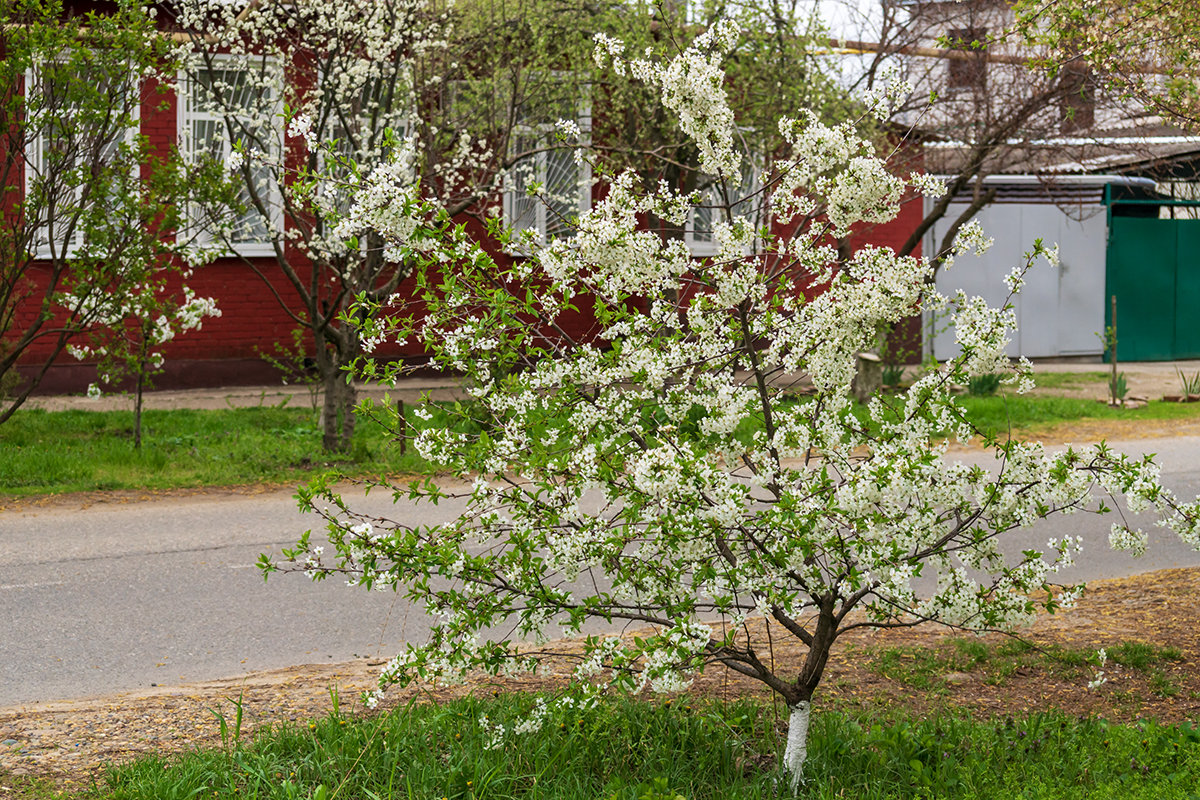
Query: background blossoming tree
(85, 198)
(666, 478)
(263, 81)
(126, 343)
(1139, 49)
(305, 99)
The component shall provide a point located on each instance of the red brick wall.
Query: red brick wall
(226, 349)
(251, 318)
(895, 233)
(905, 339)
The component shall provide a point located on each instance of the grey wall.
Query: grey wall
(1060, 310)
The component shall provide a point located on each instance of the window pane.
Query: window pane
(208, 138)
(252, 227)
(562, 192)
(225, 88)
(702, 224)
(78, 115)
(231, 102)
(521, 207)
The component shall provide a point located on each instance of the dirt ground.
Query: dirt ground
(1150, 380)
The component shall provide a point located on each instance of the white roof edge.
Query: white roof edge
(1078, 141)
(1078, 180)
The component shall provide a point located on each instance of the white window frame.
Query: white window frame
(35, 165)
(189, 112)
(513, 193)
(749, 188)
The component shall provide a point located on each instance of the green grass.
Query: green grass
(984, 385)
(1142, 656)
(1024, 413)
(25, 787)
(925, 668)
(45, 452)
(1030, 416)
(69, 451)
(637, 750)
(622, 750)
(1045, 756)
(1068, 380)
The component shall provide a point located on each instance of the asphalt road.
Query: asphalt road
(1179, 458)
(114, 597)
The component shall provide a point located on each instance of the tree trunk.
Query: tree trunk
(336, 349)
(337, 414)
(137, 410)
(349, 418)
(796, 752)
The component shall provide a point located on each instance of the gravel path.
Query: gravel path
(1146, 379)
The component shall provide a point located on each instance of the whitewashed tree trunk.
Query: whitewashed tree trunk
(796, 751)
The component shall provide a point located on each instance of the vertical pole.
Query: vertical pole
(1114, 335)
(401, 426)
(137, 408)
(1112, 352)
(141, 368)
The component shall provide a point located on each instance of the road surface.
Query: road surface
(113, 597)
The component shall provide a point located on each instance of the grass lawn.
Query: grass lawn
(1028, 416)
(659, 750)
(68, 451)
(925, 668)
(44, 452)
(1069, 380)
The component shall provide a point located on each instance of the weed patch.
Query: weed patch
(925, 668)
(622, 750)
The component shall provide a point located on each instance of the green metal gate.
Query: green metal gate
(1153, 269)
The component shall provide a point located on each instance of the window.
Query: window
(361, 122)
(968, 58)
(562, 185)
(741, 198)
(225, 101)
(1078, 98)
(78, 120)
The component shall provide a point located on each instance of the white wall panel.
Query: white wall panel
(1060, 310)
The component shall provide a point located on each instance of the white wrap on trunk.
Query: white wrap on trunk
(797, 744)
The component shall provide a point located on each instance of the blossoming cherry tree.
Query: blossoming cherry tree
(666, 476)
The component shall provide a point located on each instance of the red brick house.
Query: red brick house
(228, 349)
